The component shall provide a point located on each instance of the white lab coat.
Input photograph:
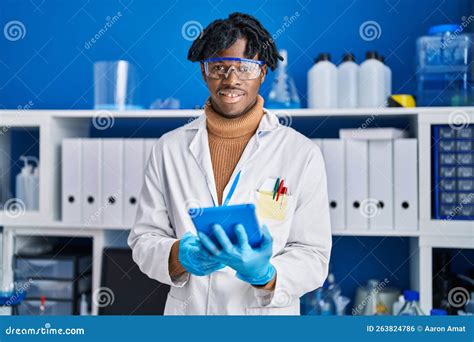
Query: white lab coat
(179, 175)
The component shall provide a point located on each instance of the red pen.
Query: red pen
(279, 189)
(283, 193)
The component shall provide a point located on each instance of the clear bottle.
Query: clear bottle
(412, 306)
(398, 305)
(322, 83)
(283, 93)
(445, 70)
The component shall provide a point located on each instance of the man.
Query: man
(236, 153)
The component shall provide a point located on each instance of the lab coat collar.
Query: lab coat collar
(269, 122)
(200, 149)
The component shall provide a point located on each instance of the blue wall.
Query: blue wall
(52, 68)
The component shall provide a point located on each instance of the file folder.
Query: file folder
(405, 158)
(71, 180)
(92, 178)
(112, 181)
(357, 184)
(380, 185)
(334, 159)
(134, 165)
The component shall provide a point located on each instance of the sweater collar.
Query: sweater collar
(233, 128)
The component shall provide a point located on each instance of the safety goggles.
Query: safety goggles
(245, 69)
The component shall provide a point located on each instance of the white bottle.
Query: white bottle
(397, 306)
(388, 78)
(24, 185)
(322, 83)
(348, 82)
(372, 82)
(35, 205)
(83, 307)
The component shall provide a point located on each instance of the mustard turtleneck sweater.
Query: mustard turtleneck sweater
(227, 140)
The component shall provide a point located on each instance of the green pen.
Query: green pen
(275, 188)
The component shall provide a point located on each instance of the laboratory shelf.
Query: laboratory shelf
(186, 113)
(395, 233)
(56, 125)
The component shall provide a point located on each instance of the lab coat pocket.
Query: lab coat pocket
(175, 307)
(268, 208)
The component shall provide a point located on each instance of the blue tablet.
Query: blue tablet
(228, 216)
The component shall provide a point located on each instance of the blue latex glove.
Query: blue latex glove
(252, 264)
(195, 258)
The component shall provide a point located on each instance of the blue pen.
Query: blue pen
(232, 189)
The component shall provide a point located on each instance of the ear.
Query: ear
(263, 74)
(203, 72)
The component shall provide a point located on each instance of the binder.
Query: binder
(91, 172)
(405, 159)
(334, 159)
(112, 181)
(380, 204)
(134, 158)
(357, 184)
(71, 180)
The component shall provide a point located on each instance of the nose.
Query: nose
(231, 77)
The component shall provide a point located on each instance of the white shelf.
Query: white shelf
(186, 113)
(389, 233)
(55, 125)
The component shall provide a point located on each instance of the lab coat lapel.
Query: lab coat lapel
(199, 148)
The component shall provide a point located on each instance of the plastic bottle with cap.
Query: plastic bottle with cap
(283, 93)
(438, 312)
(372, 74)
(388, 77)
(398, 305)
(412, 306)
(25, 186)
(348, 82)
(322, 83)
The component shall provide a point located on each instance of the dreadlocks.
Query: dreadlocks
(221, 34)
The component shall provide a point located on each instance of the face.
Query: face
(232, 97)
